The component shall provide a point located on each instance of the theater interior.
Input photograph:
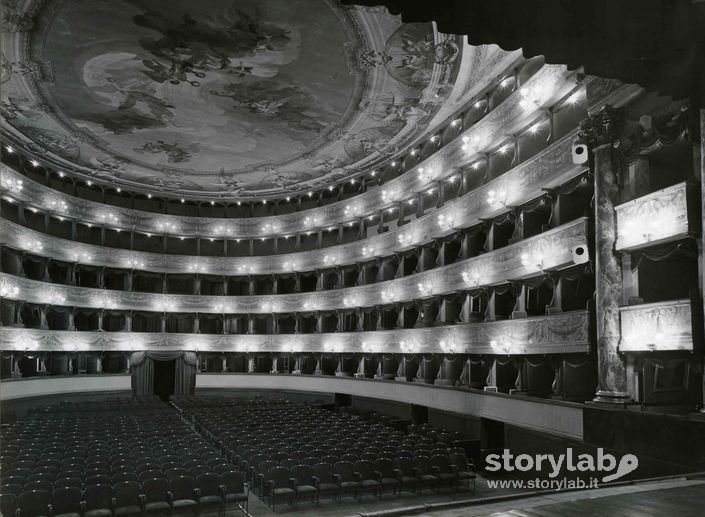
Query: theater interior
(471, 246)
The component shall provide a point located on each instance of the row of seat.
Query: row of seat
(131, 498)
(294, 451)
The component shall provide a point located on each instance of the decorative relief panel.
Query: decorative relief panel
(549, 83)
(562, 333)
(520, 184)
(657, 326)
(654, 218)
(552, 250)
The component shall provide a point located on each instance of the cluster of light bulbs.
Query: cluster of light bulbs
(82, 257)
(425, 288)
(497, 198)
(12, 184)
(531, 260)
(405, 239)
(470, 277)
(8, 288)
(446, 221)
(134, 263)
(350, 301)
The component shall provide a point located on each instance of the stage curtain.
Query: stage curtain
(142, 366)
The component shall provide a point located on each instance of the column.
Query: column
(196, 324)
(612, 374)
(701, 258)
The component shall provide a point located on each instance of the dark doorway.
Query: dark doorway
(164, 376)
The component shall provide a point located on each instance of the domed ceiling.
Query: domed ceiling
(239, 98)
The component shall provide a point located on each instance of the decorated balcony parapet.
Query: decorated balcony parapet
(551, 250)
(557, 334)
(662, 216)
(655, 327)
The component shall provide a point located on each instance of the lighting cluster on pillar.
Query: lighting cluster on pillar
(30, 244)
(425, 288)
(166, 227)
(532, 260)
(59, 204)
(271, 228)
(446, 221)
(134, 263)
(471, 277)
(222, 307)
(290, 265)
(350, 301)
(53, 297)
(269, 306)
(405, 239)
(425, 174)
(165, 305)
(312, 221)
(8, 288)
(108, 217)
(330, 260)
(471, 144)
(368, 251)
(82, 257)
(12, 184)
(245, 268)
(388, 196)
(352, 210)
(389, 295)
(497, 198)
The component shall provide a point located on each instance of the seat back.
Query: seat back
(98, 496)
(460, 461)
(8, 503)
(208, 484)
(66, 499)
(234, 482)
(44, 486)
(182, 487)
(278, 476)
(365, 468)
(442, 462)
(33, 503)
(127, 493)
(155, 489)
(386, 467)
(303, 474)
(345, 470)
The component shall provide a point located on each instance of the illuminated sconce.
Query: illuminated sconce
(82, 257)
(268, 306)
(245, 268)
(12, 184)
(434, 139)
(505, 345)
(368, 251)
(310, 222)
(447, 346)
(270, 228)
(446, 221)
(534, 260)
(497, 198)
(108, 217)
(135, 264)
(471, 277)
(8, 288)
(350, 301)
(34, 163)
(352, 210)
(32, 245)
(407, 346)
(222, 307)
(165, 305)
(289, 265)
(386, 196)
(53, 297)
(425, 288)
(166, 227)
(425, 174)
(405, 239)
(388, 295)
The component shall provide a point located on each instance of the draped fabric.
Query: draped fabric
(142, 366)
(685, 248)
(658, 44)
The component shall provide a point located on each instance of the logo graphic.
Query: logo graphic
(603, 463)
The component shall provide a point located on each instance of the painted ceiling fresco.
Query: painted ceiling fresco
(238, 98)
